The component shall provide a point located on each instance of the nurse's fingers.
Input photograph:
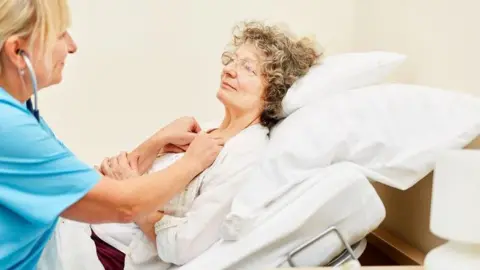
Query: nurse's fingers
(183, 138)
(133, 161)
(196, 127)
(104, 164)
(122, 160)
(171, 148)
(219, 140)
(98, 169)
(114, 163)
(105, 167)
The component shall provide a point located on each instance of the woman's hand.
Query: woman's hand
(119, 167)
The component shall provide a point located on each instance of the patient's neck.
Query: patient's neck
(233, 124)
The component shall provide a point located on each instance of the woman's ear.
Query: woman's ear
(13, 50)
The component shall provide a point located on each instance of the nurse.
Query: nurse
(40, 179)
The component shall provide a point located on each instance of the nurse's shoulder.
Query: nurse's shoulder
(21, 135)
(9, 105)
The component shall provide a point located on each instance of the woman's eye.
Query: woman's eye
(249, 68)
(226, 59)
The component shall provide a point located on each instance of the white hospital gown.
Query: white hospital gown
(193, 217)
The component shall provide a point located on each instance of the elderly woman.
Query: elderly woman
(258, 70)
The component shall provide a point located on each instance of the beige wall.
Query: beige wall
(440, 38)
(442, 41)
(140, 65)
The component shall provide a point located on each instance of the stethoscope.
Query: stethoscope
(33, 78)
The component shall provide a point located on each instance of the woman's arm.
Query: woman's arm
(147, 224)
(180, 239)
(125, 201)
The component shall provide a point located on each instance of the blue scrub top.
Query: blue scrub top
(39, 179)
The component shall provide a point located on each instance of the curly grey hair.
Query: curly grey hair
(286, 60)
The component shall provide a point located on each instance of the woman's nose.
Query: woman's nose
(230, 70)
(71, 45)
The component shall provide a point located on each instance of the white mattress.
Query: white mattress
(340, 197)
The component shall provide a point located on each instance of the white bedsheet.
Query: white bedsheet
(338, 196)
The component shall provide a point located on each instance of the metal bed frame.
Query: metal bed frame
(352, 252)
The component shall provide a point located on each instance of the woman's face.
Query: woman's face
(49, 73)
(48, 69)
(242, 84)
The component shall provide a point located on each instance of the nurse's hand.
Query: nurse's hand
(171, 148)
(180, 132)
(204, 150)
(175, 137)
(119, 167)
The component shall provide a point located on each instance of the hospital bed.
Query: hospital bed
(320, 221)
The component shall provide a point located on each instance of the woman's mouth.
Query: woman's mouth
(228, 86)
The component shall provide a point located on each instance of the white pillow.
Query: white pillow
(392, 132)
(339, 73)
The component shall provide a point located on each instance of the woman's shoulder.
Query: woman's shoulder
(252, 139)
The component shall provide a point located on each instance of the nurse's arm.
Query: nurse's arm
(111, 201)
(123, 201)
(145, 154)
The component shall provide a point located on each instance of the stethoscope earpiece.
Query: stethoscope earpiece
(33, 79)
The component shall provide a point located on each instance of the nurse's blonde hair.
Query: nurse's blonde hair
(40, 21)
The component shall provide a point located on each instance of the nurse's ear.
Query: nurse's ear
(12, 50)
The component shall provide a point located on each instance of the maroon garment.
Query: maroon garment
(110, 257)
